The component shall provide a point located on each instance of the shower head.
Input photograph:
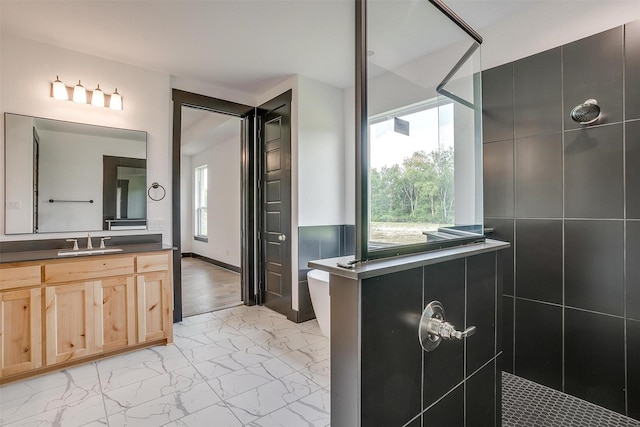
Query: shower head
(587, 112)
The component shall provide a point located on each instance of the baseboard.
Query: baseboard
(215, 262)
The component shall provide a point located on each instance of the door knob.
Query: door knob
(433, 327)
(282, 237)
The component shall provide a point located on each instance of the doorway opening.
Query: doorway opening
(210, 212)
(210, 207)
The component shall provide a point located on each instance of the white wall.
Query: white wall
(223, 202)
(321, 168)
(27, 69)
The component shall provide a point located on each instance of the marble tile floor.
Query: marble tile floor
(243, 366)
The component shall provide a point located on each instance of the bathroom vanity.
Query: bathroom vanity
(389, 367)
(58, 311)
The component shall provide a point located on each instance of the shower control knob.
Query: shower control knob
(433, 327)
(463, 334)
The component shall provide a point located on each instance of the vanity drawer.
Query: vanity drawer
(87, 270)
(155, 262)
(20, 277)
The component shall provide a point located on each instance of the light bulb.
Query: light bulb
(116, 101)
(79, 94)
(60, 90)
(97, 98)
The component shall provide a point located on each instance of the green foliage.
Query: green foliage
(421, 190)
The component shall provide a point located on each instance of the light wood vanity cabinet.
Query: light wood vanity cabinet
(60, 311)
(20, 331)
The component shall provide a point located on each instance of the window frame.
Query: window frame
(197, 208)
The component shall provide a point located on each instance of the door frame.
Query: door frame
(248, 224)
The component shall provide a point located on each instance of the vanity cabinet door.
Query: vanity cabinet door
(72, 317)
(154, 302)
(20, 331)
(116, 319)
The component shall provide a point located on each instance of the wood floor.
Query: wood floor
(207, 287)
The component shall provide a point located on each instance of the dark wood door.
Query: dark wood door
(275, 186)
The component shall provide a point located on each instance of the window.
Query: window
(411, 179)
(201, 202)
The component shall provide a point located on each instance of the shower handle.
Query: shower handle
(447, 331)
(433, 327)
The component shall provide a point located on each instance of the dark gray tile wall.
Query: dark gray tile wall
(497, 103)
(536, 324)
(538, 112)
(319, 242)
(633, 369)
(538, 181)
(498, 179)
(592, 69)
(633, 270)
(539, 259)
(632, 160)
(595, 372)
(593, 172)
(569, 203)
(457, 383)
(391, 353)
(632, 70)
(445, 283)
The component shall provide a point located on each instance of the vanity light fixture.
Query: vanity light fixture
(115, 103)
(97, 97)
(80, 95)
(60, 90)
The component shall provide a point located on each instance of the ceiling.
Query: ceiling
(244, 45)
(249, 46)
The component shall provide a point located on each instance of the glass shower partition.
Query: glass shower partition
(419, 106)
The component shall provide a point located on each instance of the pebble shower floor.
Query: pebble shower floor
(529, 404)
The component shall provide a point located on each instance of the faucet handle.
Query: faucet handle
(463, 334)
(75, 243)
(102, 239)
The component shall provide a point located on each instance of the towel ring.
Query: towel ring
(155, 185)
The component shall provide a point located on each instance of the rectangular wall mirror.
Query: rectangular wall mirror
(65, 177)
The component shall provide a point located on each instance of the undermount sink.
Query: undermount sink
(67, 252)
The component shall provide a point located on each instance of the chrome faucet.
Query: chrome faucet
(89, 244)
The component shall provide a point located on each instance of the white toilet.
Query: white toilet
(319, 289)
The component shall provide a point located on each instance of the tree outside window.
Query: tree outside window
(411, 176)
